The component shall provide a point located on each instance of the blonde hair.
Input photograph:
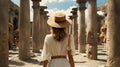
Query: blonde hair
(58, 33)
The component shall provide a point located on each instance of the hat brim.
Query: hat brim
(51, 22)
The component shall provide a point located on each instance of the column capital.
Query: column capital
(71, 17)
(74, 11)
(45, 12)
(48, 16)
(74, 14)
(36, 4)
(82, 6)
(42, 9)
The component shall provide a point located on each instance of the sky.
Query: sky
(55, 5)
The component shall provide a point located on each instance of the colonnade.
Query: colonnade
(39, 25)
(88, 38)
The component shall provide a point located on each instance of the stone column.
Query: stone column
(113, 33)
(81, 27)
(47, 29)
(75, 26)
(71, 17)
(42, 26)
(24, 30)
(4, 32)
(71, 27)
(36, 26)
(91, 31)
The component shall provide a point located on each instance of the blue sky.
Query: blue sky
(66, 4)
(63, 5)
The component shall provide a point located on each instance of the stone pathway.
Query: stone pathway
(80, 60)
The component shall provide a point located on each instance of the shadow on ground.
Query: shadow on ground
(16, 63)
(32, 61)
(103, 60)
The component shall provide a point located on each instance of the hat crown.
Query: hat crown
(60, 17)
(59, 14)
(59, 20)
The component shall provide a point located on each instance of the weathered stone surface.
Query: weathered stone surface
(13, 20)
(113, 33)
(24, 30)
(4, 33)
(91, 31)
(103, 31)
(43, 25)
(75, 26)
(36, 26)
(10, 35)
(13, 14)
(81, 27)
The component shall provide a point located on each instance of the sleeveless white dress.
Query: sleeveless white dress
(54, 48)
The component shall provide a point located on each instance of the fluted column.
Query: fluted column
(91, 32)
(24, 30)
(75, 26)
(42, 26)
(113, 33)
(81, 27)
(47, 29)
(4, 33)
(36, 26)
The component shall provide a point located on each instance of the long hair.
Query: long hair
(58, 33)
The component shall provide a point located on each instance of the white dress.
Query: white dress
(54, 48)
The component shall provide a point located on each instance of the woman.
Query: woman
(55, 44)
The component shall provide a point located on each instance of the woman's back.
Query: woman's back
(55, 47)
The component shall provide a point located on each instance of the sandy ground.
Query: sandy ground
(80, 60)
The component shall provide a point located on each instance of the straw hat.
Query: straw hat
(59, 20)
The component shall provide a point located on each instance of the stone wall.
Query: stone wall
(13, 14)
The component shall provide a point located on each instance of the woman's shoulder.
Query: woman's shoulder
(48, 36)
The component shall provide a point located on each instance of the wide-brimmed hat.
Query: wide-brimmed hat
(59, 20)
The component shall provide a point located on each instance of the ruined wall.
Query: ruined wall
(13, 23)
(13, 14)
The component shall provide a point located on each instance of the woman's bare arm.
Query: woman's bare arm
(71, 59)
(45, 63)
